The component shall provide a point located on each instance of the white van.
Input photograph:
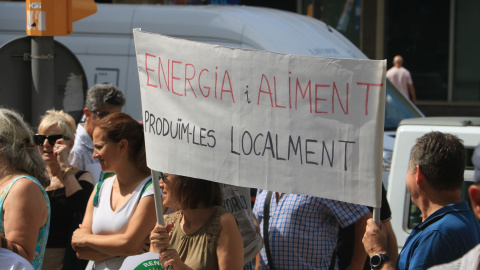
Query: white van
(103, 43)
(405, 215)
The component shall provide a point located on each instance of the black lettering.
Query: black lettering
(309, 152)
(231, 143)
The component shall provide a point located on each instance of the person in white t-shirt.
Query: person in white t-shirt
(402, 79)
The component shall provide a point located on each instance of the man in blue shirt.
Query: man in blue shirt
(448, 228)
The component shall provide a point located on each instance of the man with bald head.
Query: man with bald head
(402, 79)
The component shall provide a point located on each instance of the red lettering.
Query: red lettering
(149, 69)
(335, 90)
(160, 67)
(175, 78)
(200, 85)
(262, 91)
(368, 89)
(226, 75)
(316, 96)
(309, 89)
(189, 79)
(290, 90)
(275, 88)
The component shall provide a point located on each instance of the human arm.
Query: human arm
(257, 257)
(392, 246)
(67, 171)
(375, 242)
(411, 89)
(87, 253)
(131, 242)
(359, 255)
(230, 244)
(25, 213)
(257, 262)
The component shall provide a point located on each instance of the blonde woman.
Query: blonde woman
(69, 187)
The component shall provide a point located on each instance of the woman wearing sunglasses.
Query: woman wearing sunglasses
(24, 204)
(68, 191)
(121, 211)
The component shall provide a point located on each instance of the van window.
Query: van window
(414, 213)
(397, 108)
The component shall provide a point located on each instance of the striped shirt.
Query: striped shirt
(303, 230)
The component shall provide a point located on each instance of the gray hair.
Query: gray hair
(100, 95)
(17, 151)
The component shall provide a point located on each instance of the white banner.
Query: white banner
(286, 123)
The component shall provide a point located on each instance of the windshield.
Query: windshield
(397, 108)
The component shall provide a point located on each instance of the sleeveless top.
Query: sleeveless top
(106, 221)
(197, 250)
(43, 232)
(63, 209)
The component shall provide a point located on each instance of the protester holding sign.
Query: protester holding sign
(448, 229)
(201, 235)
(68, 191)
(120, 212)
(24, 204)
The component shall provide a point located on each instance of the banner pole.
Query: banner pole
(376, 215)
(158, 198)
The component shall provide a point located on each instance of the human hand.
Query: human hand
(375, 238)
(160, 238)
(170, 257)
(146, 245)
(61, 152)
(80, 236)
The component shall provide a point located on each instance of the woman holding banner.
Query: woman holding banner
(68, 191)
(201, 235)
(24, 204)
(119, 214)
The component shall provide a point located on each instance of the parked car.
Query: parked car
(405, 215)
(103, 43)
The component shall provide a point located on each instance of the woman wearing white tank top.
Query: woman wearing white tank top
(121, 212)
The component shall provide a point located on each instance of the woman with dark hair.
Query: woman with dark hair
(24, 204)
(120, 212)
(201, 235)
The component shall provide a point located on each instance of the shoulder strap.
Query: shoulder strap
(96, 190)
(147, 185)
(266, 217)
(79, 174)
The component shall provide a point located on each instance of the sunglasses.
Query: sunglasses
(40, 139)
(101, 114)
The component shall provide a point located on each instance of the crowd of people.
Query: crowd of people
(81, 197)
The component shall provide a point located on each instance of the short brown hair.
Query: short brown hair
(193, 191)
(441, 157)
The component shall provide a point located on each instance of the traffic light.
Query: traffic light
(55, 17)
